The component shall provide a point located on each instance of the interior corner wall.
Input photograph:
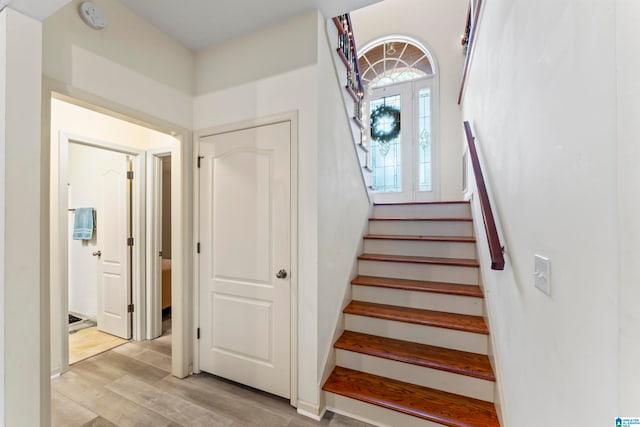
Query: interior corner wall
(293, 90)
(628, 93)
(343, 202)
(546, 132)
(438, 24)
(269, 52)
(25, 378)
(130, 62)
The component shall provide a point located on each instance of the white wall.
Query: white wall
(343, 203)
(23, 345)
(327, 172)
(75, 120)
(437, 24)
(265, 53)
(546, 128)
(628, 93)
(129, 62)
(135, 70)
(3, 136)
(274, 95)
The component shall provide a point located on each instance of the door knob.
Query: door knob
(282, 274)
(97, 253)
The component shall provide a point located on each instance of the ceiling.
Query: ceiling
(199, 24)
(38, 9)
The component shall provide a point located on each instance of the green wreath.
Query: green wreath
(383, 111)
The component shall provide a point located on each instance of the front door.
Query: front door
(245, 256)
(403, 143)
(112, 231)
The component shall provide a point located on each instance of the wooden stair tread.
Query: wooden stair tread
(420, 286)
(453, 202)
(433, 405)
(421, 238)
(459, 322)
(444, 359)
(422, 219)
(459, 262)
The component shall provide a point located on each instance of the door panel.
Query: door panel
(245, 200)
(112, 231)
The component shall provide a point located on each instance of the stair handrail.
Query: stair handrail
(495, 247)
(468, 40)
(349, 54)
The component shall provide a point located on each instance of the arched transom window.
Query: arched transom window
(394, 61)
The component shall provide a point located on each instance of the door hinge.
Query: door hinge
(129, 174)
(199, 158)
(198, 247)
(130, 241)
(198, 333)
(160, 253)
(130, 308)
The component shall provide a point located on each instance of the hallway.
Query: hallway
(131, 386)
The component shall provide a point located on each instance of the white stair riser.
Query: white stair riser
(440, 210)
(372, 414)
(422, 228)
(420, 248)
(413, 374)
(440, 337)
(416, 299)
(414, 271)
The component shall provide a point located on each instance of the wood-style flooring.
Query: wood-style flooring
(88, 342)
(131, 386)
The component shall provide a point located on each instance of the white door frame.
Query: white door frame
(154, 239)
(138, 222)
(291, 117)
(181, 194)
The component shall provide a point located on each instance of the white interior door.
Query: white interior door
(113, 229)
(245, 199)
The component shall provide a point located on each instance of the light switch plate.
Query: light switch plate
(542, 274)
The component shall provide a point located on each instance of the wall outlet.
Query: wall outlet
(542, 274)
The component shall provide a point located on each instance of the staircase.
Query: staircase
(414, 349)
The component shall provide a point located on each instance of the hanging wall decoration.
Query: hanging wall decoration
(385, 126)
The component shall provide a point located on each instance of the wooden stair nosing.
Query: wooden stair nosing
(439, 319)
(453, 202)
(423, 219)
(453, 239)
(420, 286)
(428, 356)
(429, 404)
(456, 262)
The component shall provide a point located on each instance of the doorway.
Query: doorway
(246, 234)
(401, 81)
(99, 196)
(159, 241)
(76, 126)
(99, 181)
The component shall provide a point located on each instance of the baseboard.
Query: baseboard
(310, 411)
